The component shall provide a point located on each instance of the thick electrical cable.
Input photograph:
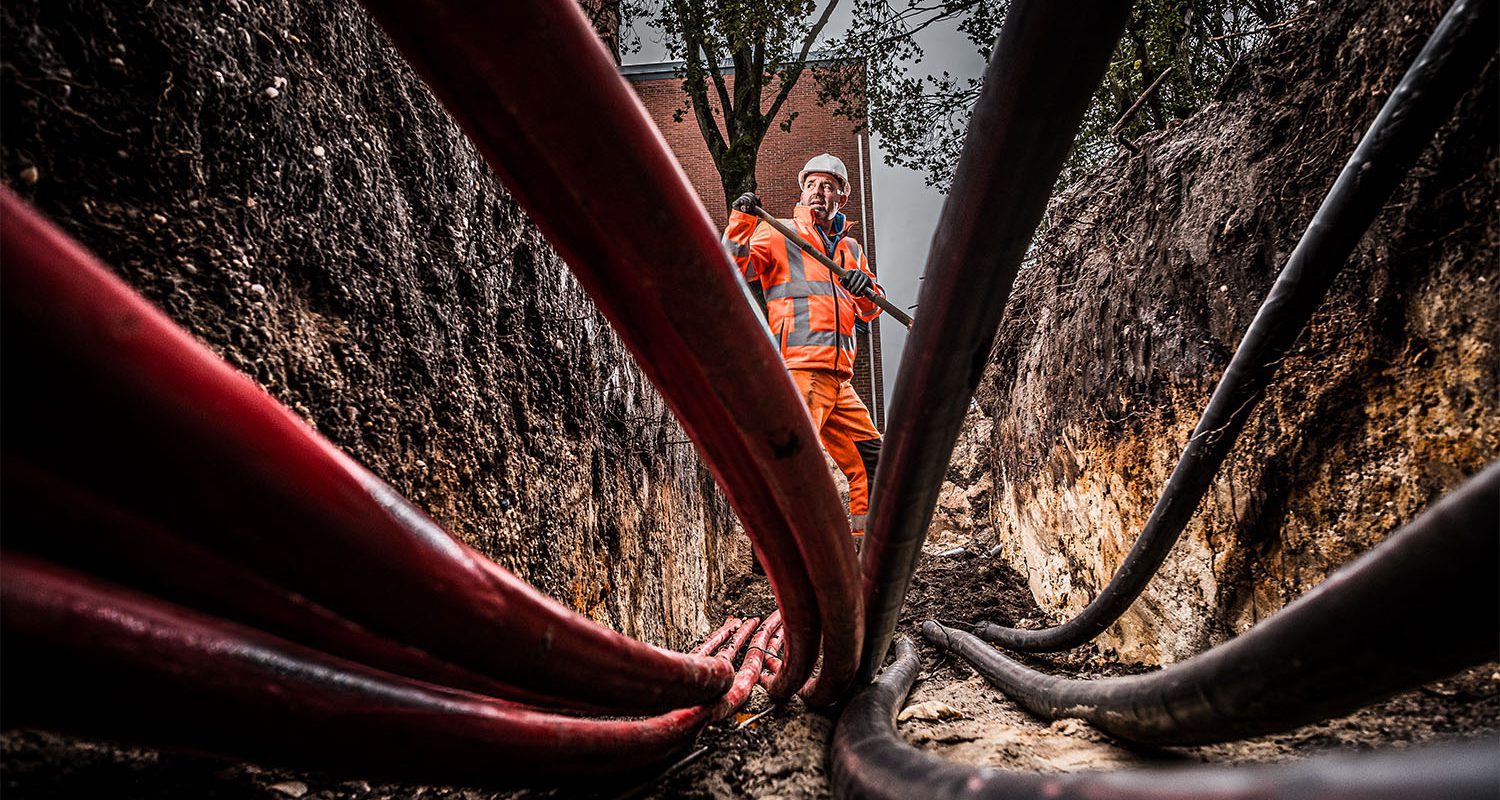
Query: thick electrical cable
(45, 517)
(107, 393)
(751, 669)
(1417, 607)
(870, 761)
(1045, 66)
(1422, 102)
(86, 656)
(598, 179)
(718, 637)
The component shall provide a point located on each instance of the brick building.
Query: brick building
(815, 130)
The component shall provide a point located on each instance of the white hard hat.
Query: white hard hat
(828, 163)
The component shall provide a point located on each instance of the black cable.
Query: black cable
(1445, 68)
(1417, 607)
(872, 762)
(1047, 61)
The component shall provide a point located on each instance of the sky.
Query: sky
(906, 208)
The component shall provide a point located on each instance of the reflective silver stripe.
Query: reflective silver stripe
(800, 289)
(805, 338)
(740, 255)
(801, 317)
(794, 261)
(857, 522)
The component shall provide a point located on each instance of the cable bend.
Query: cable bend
(1423, 101)
(870, 761)
(1416, 607)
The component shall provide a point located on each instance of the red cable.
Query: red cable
(87, 656)
(750, 670)
(732, 647)
(597, 178)
(50, 519)
(124, 404)
(718, 637)
(773, 659)
(93, 657)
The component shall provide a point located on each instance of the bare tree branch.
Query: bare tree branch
(789, 78)
(712, 57)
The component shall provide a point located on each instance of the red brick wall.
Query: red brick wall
(815, 130)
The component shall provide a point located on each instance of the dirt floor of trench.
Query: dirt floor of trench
(783, 753)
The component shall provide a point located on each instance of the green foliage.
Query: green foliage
(922, 119)
(742, 59)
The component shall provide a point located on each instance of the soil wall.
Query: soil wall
(1140, 290)
(275, 178)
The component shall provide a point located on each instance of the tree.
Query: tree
(1172, 57)
(764, 43)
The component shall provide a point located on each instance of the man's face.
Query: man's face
(820, 192)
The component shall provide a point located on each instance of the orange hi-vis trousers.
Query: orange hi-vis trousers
(843, 423)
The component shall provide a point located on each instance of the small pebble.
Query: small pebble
(29, 175)
(249, 202)
(190, 269)
(119, 62)
(319, 151)
(289, 788)
(1067, 727)
(272, 92)
(278, 81)
(1223, 288)
(158, 219)
(258, 289)
(931, 711)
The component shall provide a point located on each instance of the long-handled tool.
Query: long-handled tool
(838, 271)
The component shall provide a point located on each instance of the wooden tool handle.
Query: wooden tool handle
(879, 299)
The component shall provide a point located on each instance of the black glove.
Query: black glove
(856, 281)
(746, 202)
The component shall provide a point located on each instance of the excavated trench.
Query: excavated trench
(279, 182)
(953, 713)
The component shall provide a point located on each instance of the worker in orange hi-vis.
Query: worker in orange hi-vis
(812, 315)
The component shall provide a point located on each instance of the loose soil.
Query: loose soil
(784, 753)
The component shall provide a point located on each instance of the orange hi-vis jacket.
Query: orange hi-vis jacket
(811, 315)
